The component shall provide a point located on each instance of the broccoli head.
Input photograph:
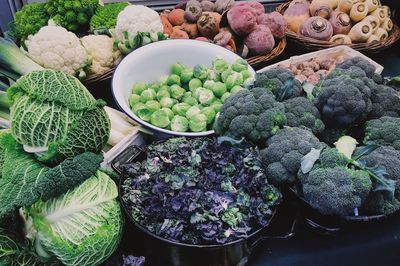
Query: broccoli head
(30, 19)
(384, 131)
(106, 16)
(378, 202)
(280, 81)
(344, 97)
(254, 115)
(385, 102)
(301, 112)
(283, 153)
(363, 64)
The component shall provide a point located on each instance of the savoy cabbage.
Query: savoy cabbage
(54, 116)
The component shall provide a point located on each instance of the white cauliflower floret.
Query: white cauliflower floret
(134, 19)
(101, 50)
(56, 48)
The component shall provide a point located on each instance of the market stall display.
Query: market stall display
(363, 25)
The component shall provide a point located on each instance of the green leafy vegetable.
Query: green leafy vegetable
(105, 16)
(30, 19)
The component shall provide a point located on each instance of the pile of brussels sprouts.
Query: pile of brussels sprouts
(189, 99)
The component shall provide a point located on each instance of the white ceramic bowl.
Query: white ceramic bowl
(149, 63)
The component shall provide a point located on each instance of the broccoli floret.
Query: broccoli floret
(283, 153)
(280, 81)
(378, 202)
(383, 131)
(385, 102)
(30, 19)
(106, 16)
(363, 64)
(344, 97)
(253, 115)
(336, 190)
(300, 112)
(331, 157)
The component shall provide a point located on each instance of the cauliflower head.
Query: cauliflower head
(136, 18)
(101, 50)
(56, 48)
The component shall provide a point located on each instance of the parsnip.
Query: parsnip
(387, 24)
(372, 5)
(360, 32)
(340, 39)
(321, 8)
(346, 5)
(373, 38)
(375, 23)
(381, 34)
(358, 12)
(387, 11)
(380, 13)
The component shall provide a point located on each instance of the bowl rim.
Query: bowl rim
(149, 47)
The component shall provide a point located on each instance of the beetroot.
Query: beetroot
(276, 23)
(242, 19)
(256, 6)
(260, 41)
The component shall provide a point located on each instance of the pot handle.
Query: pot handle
(130, 154)
(267, 235)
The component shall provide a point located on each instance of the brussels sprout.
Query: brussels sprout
(190, 100)
(142, 111)
(174, 79)
(213, 75)
(239, 65)
(198, 123)
(208, 84)
(200, 72)
(180, 124)
(248, 82)
(155, 86)
(205, 96)
(235, 89)
(147, 95)
(194, 84)
(180, 108)
(233, 80)
(177, 69)
(134, 99)
(163, 93)
(219, 89)
(160, 118)
(220, 65)
(187, 94)
(153, 106)
(169, 112)
(167, 102)
(177, 92)
(163, 80)
(225, 96)
(194, 110)
(217, 107)
(196, 92)
(246, 74)
(210, 113)
(226, 74)
(138, 88)
(186, 75)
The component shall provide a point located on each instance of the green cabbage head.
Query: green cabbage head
(55, 116)
(82, 227)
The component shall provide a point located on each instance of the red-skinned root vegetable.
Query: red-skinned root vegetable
(193, 11)
(387, 24)
(207, 6)
(179, 34)
(166, 24)
(320, 8)
(387, 11)
(380, 13)
(346, 5)
(317, 28)
(381, 34)
(276, 23)
(176, 17)
(221, 6)
(374, 21)
(341, 22)
(222, 38)
(242, 19)
(208, 24)
(372, 5)
(191, 29)
(296, 14)
(360, 32)
(340, 39)
(256, 6)
(260, 41)
(358, 12)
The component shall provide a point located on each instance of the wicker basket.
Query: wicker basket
(99, 78)
(261, 60)
(313, 45)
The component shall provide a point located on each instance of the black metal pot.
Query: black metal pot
(160, 251)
